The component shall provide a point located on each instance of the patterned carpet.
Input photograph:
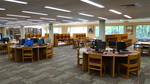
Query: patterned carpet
(61, 69)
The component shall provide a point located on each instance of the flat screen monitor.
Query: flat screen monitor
(5, 40)
(1, 37)
(40, 41)
(121, 46)
(101, 45)
(35, 40)
(96, 43)
(21, 41)
(112, 43)
(29, 42)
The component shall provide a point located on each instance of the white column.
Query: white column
(22, 30)
(51, 35)
(102, 30)
(4, 32)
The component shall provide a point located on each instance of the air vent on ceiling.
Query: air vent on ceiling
(132, 5)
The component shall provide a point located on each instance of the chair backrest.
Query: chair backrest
(97, 57)
(27, 50)
(133, 58)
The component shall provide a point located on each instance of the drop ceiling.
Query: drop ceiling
(126, 7)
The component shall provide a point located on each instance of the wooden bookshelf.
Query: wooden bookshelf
(119, 37)
(60, 37)
(39, 35)
(80, 35)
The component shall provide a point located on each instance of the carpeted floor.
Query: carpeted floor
(61, 69)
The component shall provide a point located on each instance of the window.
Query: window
(57, 30)
(72, 30)
(114, 30)
(143, 31)
(110, 30)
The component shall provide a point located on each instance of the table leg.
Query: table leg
(85, 62)
(113, 67)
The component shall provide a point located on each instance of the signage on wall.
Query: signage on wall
(91, 29)
(129, 30)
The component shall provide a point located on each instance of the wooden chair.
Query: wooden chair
(48, 52)
(27, 53)
(145, 48)
(10, 51)
(95, 63)
(79, 58)
(131, 65)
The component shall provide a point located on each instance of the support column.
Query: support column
(51, 34)
(102, 30)
(22, 31)
(4, 32)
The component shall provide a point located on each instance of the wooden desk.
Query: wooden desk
(18, 51)
(112, 55)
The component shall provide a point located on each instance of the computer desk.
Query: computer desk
(18, 50)
(111, 55)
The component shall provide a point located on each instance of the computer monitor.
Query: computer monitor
(1, 37)
(29, 42)
(101, 45)
(121, 46)
(21, 41)
(40, 41)
(5, 40)
(96, 43)
(112, 44)
(35, 40)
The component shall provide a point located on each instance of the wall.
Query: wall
(121, 23)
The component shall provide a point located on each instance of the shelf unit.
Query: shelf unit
(80, 35)
(60, 37)
(39, 35)
(119, 37)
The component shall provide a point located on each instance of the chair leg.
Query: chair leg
(127, 72)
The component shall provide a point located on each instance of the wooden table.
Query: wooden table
(18, 50)
(112, 55)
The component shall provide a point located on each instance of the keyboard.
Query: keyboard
(124, 52)
(98, 51)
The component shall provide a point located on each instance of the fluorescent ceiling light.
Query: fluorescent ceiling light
(47, 18)
(103, 18)
(83, 19)
(18, 16)
(2, 9)
(127, 16)
(30, 12)
(93, 3)
(86, 14)
(58, 9)
(64, 17)
(8, 18)
(114, 11)
(34, 20)
(3, 20)
(16, 1)
(67, 20)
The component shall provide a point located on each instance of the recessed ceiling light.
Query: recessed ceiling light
(64, 17)
(34, 20)
(2, 9)
(103, 18)
(114, 11)
(18, 16)
(127, 16)
(86, 14)
(30, 12)
(93, 3)
(59, 9)
(47, 18)
(8, 18)
(16, 1)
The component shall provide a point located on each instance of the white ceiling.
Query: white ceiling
(75, 6)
